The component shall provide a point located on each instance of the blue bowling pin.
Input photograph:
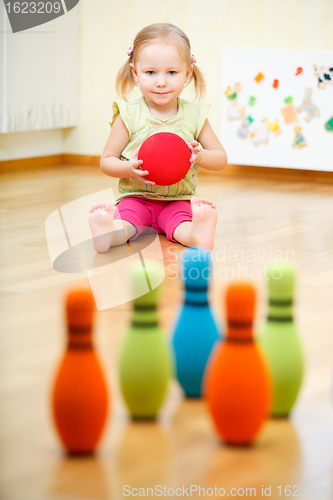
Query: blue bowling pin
(195, 331)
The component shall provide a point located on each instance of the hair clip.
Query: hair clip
(193, 59)
(130, 51)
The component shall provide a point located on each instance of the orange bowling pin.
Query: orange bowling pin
(237, 380)
(80, 397)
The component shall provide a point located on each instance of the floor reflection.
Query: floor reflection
(143, 456)
(82, 477)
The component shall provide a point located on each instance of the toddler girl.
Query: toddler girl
(161, 64)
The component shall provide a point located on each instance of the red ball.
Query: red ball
(166, 156)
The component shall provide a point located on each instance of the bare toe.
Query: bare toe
(101, 225)
(195, 201)
(203, 222)
(109, 207)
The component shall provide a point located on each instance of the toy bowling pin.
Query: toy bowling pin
(80, 398)
(195, 331)
(145, 363)
(237, 380)
(280, 340)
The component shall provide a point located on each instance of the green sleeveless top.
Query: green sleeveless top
(141, 124)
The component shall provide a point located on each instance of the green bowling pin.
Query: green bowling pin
(280, 339)
(145, 364)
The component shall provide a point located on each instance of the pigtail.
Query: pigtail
(199, 83)
(125, 80)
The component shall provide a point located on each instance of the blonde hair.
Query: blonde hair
(160, 32)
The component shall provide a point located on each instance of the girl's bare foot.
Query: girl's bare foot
(204, 218)
(101, 225)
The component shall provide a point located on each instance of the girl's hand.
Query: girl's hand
(195, 152)
(134, 168)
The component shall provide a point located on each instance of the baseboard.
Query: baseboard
(230, 170)
(272, 173)
(48, 161)
(82, 160)
(31, 163)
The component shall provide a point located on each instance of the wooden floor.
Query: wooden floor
(258, 220)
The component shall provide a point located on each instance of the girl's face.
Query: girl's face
(161, 73)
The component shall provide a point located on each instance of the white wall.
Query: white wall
(31, 144)
(38, 86)
(108, 27)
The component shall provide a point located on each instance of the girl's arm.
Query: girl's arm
(212, 156)
(112, 165)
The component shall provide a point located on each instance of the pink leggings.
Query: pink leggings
(163, 216)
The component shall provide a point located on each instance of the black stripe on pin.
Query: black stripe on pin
(237, 340)
(192, 303)
(151, 307)
(280, 303)
(80, 347)
(79, 330)
(138, 324)
(277, 319)
(239, 325)
(196, 288)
